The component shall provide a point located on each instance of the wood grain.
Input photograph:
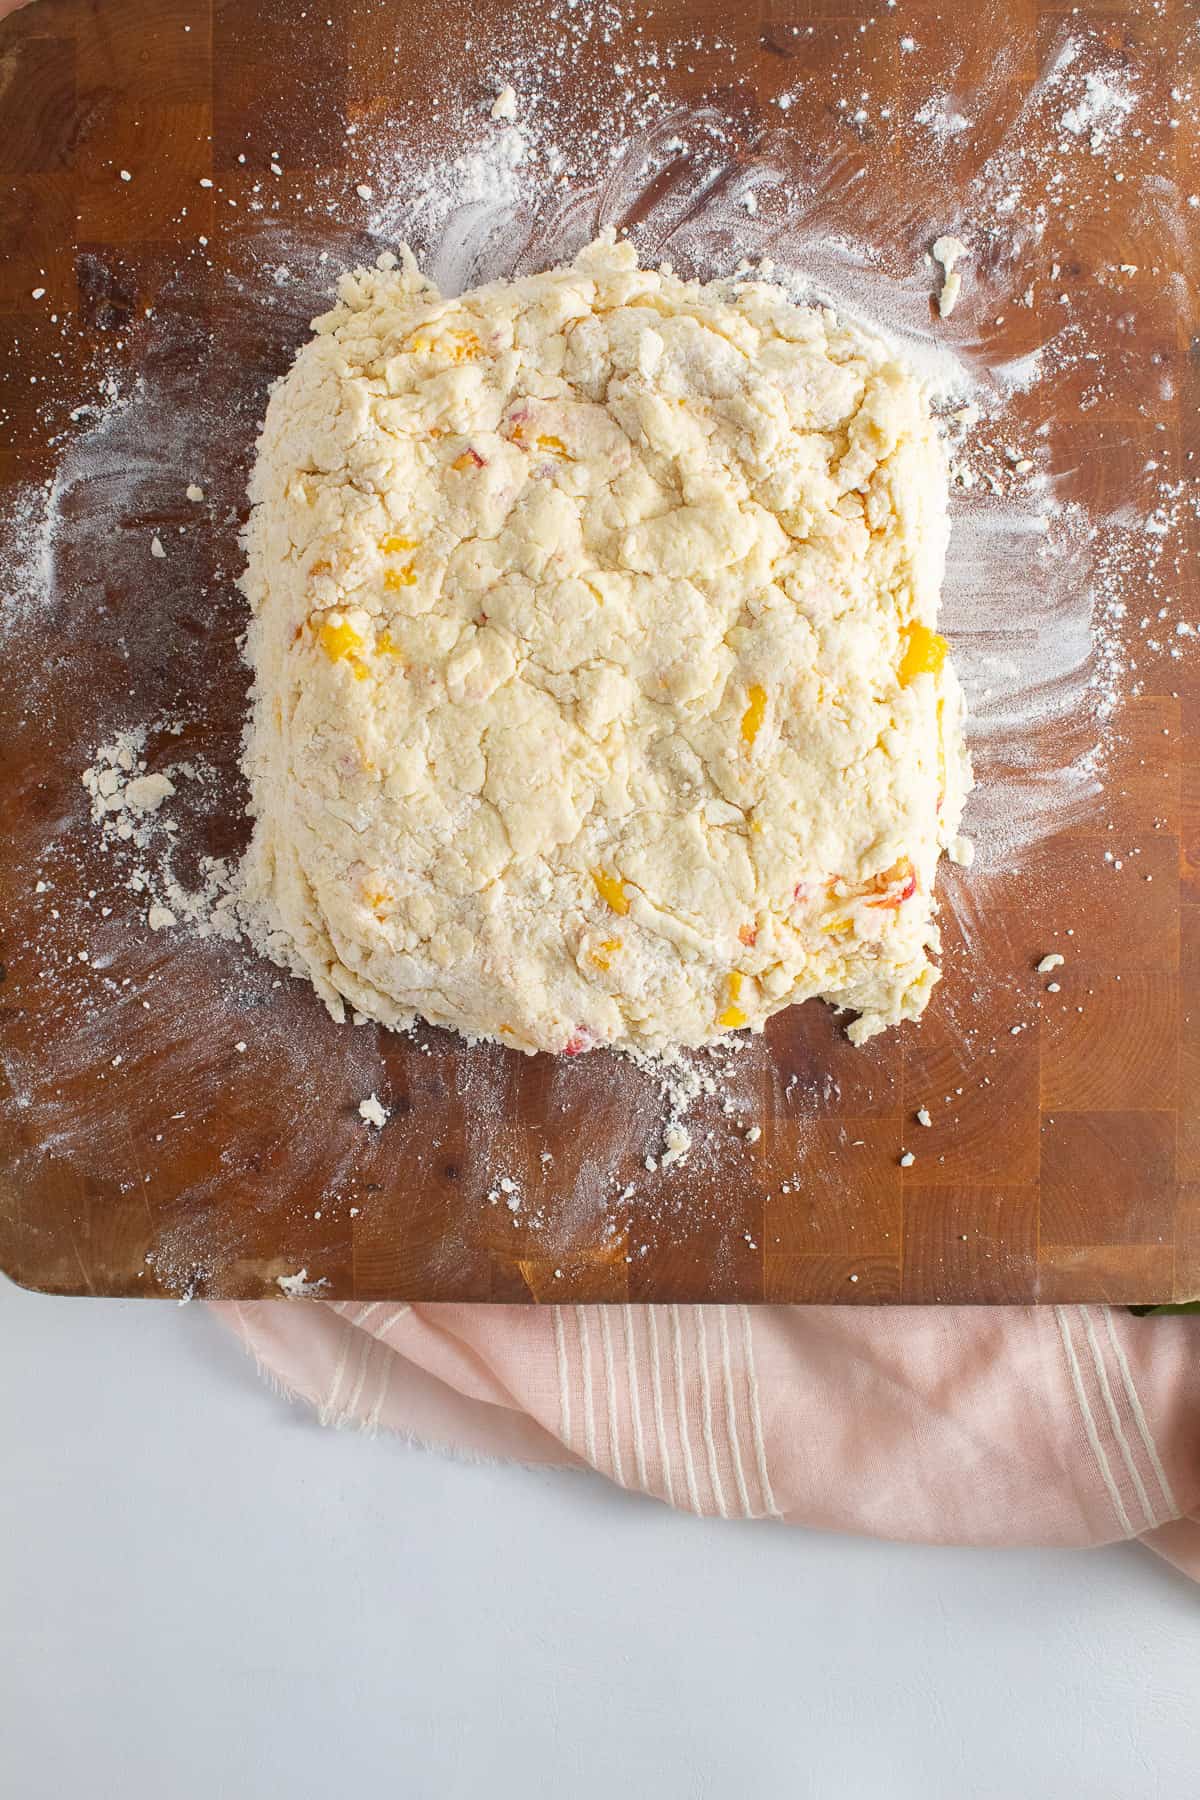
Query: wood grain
(1062, 1162)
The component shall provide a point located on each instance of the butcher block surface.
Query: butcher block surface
(180, 1118)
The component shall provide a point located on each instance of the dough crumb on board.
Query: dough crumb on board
(373, 1111)
(504, 106)
(948, 251)
(677, 1141)
(299, 1287)
(123, 795)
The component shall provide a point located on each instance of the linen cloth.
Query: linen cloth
(959, 1425)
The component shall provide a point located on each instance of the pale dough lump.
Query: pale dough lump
(598, 696)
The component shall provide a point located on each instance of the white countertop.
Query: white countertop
(203, 1593)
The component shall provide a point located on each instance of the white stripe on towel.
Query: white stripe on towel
(564, 1385)
(731, 1424)
(1140, 1419)
(1089, 1423)
(760, 1449)
(714, 1473)
(685, 1442)
(349, 1337)
(1114, 1419)
(610, 1382)
(660, 1427)
(635, 1399)
(389, 1324)
(589, 1409)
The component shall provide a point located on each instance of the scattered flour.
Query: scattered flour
(941, 118)
(1102, 109)
(127, 805)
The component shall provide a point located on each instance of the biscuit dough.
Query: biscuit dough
(598, 695)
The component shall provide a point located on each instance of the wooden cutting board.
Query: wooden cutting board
(177, 1117)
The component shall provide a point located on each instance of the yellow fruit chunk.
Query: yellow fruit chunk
(386, 644)
(394, 579)
(924, 653)
(603, 954)
(941, 736)
(457, 345)
(611, 890)
(754, 714)
(392, 546)
(338, 640)
(552, 443)
(463, 344)
(733, 1016)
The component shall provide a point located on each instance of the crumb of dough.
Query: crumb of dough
(160, 918)
(599, 698)
(947, 251)
(677, 1141)
(194, 492)
(1053, 961)
(373, 1111)
(504, 106)
(146, 793)
(907, 1159)
(298, 1286)
(923, 1116)
(156, 546)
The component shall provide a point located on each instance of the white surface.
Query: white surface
(204, 1594)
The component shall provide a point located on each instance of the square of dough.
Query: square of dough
(598, 692)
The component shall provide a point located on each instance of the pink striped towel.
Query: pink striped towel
(1057, 1425)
